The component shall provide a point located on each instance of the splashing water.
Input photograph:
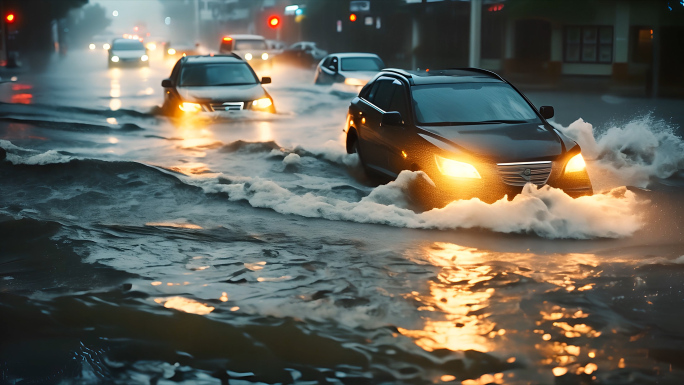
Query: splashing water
(630, 155)
(546, 211)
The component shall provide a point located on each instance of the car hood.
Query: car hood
(238, 93)
(503, 142)
(129, 54)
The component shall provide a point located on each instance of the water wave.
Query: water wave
(547, 212)
(633, 153)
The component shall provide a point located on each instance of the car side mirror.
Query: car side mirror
(392, 118)
(332, 68)
(266, 80)
(167, 83)
(546, 112)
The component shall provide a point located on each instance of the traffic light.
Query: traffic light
(274, 22)
(10, 18)
(352, 17)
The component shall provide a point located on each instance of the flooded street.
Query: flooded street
(252, 248)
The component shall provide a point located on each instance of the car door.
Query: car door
(329, 71)
(373, 145)
(396, 139)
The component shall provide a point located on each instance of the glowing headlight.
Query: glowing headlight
(115, 59)
(144, 58)
(106, 46)
(151, 46)
(264, 56)
(354, 82)
(190, 107)
(262, 103)
(456, 169)
(575, 164)
(248, 56)
(91, 46)
(171, 51)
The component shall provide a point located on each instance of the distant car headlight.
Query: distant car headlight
(456, 169)
(171, 51)
(575, 164)
(354, 82)
(115, 59)
(91, 46)
(190, 107)
(264, 56)
(248, 56)
(144, 58)
(106, 46)
(262, 103)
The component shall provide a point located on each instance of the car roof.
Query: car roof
(454, 75)
(354, 54)
(246, 37)
(213, 59)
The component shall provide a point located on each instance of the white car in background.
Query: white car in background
(128, 52)
(252, 48)
(351, 68)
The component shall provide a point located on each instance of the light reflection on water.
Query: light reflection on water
(518, 306)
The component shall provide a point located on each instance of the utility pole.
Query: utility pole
(475, 32)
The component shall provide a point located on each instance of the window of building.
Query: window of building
(588, 44)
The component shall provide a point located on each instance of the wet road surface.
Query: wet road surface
(252, 249)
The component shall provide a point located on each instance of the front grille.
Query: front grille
(517, 174)
(227, 106)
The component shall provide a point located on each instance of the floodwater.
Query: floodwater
(252, 249)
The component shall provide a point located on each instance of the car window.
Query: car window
(362, 64)
(469, 102)
(398, 102)
(175, 71)
(127, 45)
(382, 97)
(250, 44)
(327, 61)
(216, 74)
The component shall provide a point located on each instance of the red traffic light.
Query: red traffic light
(352, 17)
(10, 18)
(274, 21)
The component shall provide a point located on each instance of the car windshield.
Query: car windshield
(362, 64)
(470, 103)
(250, 44)
(127, 45)
(216, 74)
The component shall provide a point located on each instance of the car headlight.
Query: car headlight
(190, 107)
(354, 82)
(106, 46)
(262, 103)
(456, 169)
(144, 58)
(151, 46)
(575, 164)
(91, 46)
(115, 59)
(248, 56)
(171, 51)
(264, 56)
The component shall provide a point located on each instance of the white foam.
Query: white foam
(292, 159)
(631, 154)
(547, 212)
(31, 157)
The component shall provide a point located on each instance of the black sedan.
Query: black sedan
(469, 130)
(214, 84)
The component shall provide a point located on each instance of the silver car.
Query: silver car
(352, 68)
(128, 52)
